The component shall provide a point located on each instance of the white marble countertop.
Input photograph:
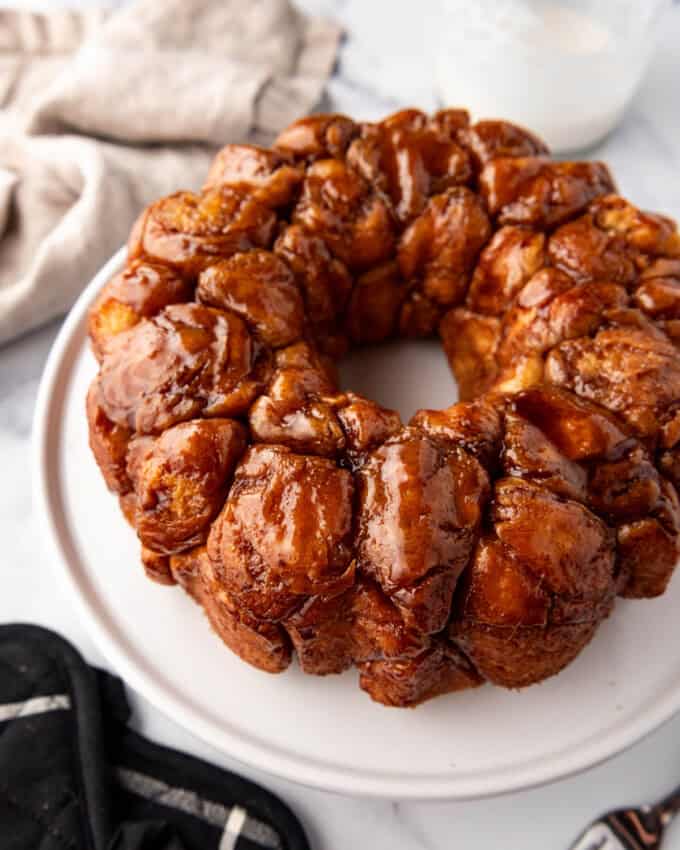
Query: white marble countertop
(376, 75)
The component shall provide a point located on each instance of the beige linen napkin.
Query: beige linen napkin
(101, 112)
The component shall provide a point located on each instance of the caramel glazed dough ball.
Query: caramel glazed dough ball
(484, 542)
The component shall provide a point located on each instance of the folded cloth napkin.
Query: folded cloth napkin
(74, 775)
(103, 111)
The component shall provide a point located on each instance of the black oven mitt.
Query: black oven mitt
(74, 776)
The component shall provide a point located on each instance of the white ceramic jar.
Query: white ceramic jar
(566, 69)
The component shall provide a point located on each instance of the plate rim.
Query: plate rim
(292, 767)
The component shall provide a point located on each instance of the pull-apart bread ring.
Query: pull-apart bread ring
(481, 543)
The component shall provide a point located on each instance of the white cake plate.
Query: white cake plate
(325, 732)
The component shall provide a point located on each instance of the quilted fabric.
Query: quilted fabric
(74, 776)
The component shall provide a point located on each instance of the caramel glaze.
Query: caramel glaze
(484, 542)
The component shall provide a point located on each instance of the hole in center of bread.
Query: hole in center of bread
(404, 375)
